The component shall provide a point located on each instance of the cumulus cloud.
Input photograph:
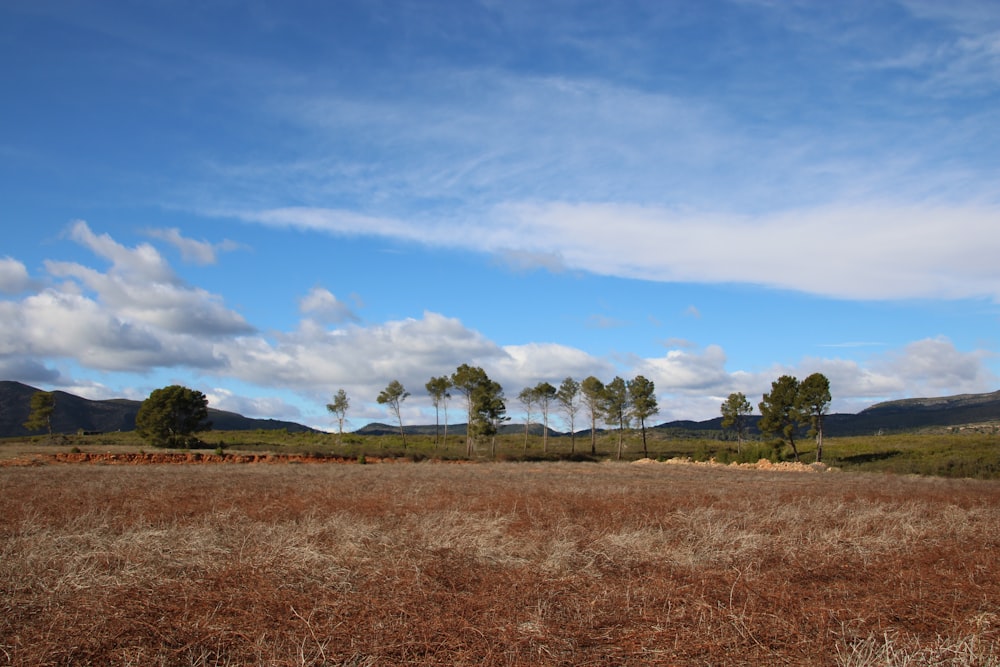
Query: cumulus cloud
(141, 287)
(321, 305)
(261, 407)
(931, 366)
(129, 318)
(13, 276)
(143, 262)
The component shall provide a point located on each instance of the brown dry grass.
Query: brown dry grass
(494, 564)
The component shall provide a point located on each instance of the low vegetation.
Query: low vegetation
(499, 564)
(972, 453)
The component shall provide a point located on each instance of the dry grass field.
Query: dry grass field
(494, 564)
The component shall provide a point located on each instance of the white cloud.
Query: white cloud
(141, 287)
(197, 252)
(527, 365)
(262, 407)
(876, 252)
(103, 321)
(933, 366)
(871, 252)
(141, 263)
(326, 308)
(13, 276)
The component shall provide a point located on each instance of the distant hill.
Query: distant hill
(73, 414)
(908, 414)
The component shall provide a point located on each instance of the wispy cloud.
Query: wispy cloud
(192, 250)
(880, 251)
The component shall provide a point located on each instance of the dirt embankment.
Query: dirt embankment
(187, 458)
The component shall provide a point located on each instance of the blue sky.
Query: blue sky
(271, 201)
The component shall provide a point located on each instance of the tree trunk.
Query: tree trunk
(645, 452)
(593, 436)
(621, 437)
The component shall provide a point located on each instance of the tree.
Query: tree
(490, 411)
(393, 395)
(527, 398)
(339, 408)
(778, 412)
(735, 411)
(545, 393)
(615, 406)
(43, 403)
(642, 404)
(592, 390)
(467, 380)
(171, 416)
(438, 388)
(812, 404)
(567, 394)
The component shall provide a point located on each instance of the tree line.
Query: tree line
(789, 407)
(172, 414)
(618, 403)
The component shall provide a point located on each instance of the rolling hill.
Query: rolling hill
(73, 414)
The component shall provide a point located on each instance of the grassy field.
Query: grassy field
(966, 454)
(494, 564)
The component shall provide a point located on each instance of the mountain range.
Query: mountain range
(73, 414)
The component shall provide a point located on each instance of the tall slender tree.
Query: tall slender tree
(812, 403)
(545, 393)
(616, 408)
(339, 408)
(567, 395)
(393, 395)
(592, 390)
(527, 399)
(642, 404)
(490, 411)
(438, 388)
(778, 412)
(467, 380)
(735, 413)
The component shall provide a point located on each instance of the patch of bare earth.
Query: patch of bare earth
(494, 564)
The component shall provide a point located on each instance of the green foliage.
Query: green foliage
(592, 391)
(755, 451)
(393, 395)
(171, 416)
(615, 406)
(642, 403)
(735, 412)
(339, 408)
(567, 395)
(43, 403)
(778, 412)
(438, 388)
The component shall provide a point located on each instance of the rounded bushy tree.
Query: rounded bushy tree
(172, 415)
